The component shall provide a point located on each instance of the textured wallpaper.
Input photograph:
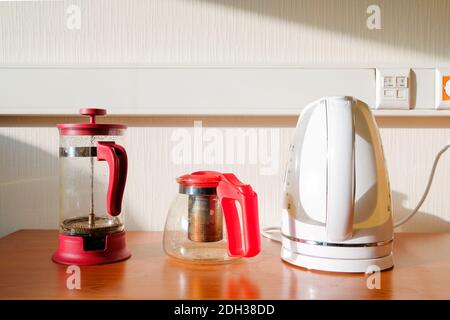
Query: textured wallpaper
(224, 32)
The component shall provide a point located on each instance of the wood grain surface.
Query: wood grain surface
(422, 264)
(216, 33)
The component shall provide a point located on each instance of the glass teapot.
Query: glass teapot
(93, 171)
(204, 224)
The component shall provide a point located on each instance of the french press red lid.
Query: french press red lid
(92, 128)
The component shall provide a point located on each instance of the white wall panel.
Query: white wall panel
(180, 91)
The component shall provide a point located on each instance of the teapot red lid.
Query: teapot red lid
(203, 179)
(92, 128)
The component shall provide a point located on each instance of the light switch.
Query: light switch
(389, 82)
(402, 82)
(442, 89)
(393, 89)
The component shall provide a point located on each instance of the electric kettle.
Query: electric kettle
(204, 222)
(336, 213)
(93, 172)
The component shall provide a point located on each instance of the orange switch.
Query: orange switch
(446, 88)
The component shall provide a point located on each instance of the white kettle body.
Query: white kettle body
(336, 213)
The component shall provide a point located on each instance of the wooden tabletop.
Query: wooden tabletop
(422, 271)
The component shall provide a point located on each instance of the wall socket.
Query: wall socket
(393, 88)
(442, 85)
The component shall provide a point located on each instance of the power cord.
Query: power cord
(274, 233)
(427, 189)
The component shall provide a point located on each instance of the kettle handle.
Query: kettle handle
(116, 157)
(340, 170)
(230, 190)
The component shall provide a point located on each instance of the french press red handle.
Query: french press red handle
(116, 157)
(245, 242)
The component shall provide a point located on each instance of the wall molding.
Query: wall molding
(183, 90)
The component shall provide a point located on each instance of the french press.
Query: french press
(213, 219)
(93, 171)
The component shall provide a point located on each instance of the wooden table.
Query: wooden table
(422, 271)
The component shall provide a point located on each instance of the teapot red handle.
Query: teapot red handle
(230, 190)
(116, 157)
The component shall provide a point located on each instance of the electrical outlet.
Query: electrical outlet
(393, 88)
(442, 89)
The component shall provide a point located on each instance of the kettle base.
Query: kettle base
(337, 265)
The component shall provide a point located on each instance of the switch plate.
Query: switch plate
(393, 88)
(442, 88)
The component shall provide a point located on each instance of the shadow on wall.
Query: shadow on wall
(29, 188)
(28, 193)
(422, 221)
(405, 23)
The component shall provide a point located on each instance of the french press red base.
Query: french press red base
(71, 250)
(93, 170)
